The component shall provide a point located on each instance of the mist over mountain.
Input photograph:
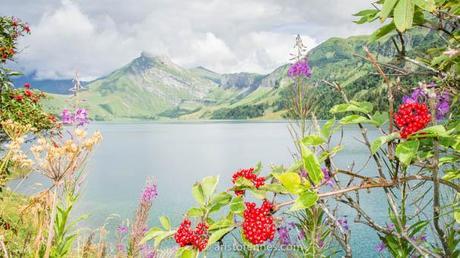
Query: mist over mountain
(154, 87)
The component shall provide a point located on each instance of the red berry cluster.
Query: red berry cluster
(186, 236)
(248, 174)
(258, 224)
(412, 117)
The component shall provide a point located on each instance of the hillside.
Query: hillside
(152, 87)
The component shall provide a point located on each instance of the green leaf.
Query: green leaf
(258, 168)
(237, 205)
(217, 235)
(219, 201)
(354, 119)
(407, 151)
(427, 5)
(377, 143)
(274, 188)
(162, 236)
(197, 192)
(417, 227)
(436, 131)
(404, 15)
(353, 106)
(152, 233)
(209, 185)
(223, 223)
(195, 212)
(382, 32)
(314, 140)
(291, 181)
(186, 252)
(312, 166)
(165, 222)
(305, 200)
(326, 130)
(388, 6)
(451, 174)
(379, 118)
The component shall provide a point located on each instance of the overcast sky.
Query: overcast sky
(97, 36)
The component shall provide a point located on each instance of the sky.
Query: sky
(95, 37)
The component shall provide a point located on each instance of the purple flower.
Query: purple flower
(81, 116)
(390, 227)
(120, 247)
(283, 233)
(343, 222)
(442, 107)
(67, 117)
(299, 69)
(122, 229)
(327, 178)
(303, 173)
(380, 247)
(416, 96)
(150, 192)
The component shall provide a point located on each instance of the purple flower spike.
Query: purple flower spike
(443, 106)
(299, 69)
(67, 117)
(150, 192)
(343, 222)
(380, 247)
(327, 178)
(284, 236)
(81, 116)
(122, 229)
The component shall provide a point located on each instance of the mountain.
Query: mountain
(47, 85)
(153, 87)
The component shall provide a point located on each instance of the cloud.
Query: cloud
(96, 37)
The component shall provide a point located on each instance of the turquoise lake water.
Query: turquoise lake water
(176, 155)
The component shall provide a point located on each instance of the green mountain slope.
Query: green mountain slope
(155, 88)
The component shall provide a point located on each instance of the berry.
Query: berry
(248, 174)
(197, 238)
(28, 93)
(258, 223)
(412, 117)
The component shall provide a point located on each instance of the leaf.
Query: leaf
(219, 201)
(291, 181)
(417, 227)
(382, 32)
(354, 119)
(258, 168)
(326, 130)
(436, 130)
(197, 192)
(186, 252)
(217, 235)
(388, 6)
(220, 224)
(165, 222)
(379, 118)
(152, 233)
(314, 140)
(162, 236)
(353, 106)
(274, 188)
(427, 5)
(407, 151)
(404, 15)
(209, 185)
(312, 165)
(377, 143)
(237, 205)
(305, 200)
(451, 174)
(195, 212)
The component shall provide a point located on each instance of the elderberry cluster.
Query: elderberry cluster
(197, 238)
(412, 117)
(258, 224)
(248, 174)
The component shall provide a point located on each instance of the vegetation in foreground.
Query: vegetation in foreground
(296, 210)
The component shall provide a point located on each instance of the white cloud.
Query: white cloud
(96, 37)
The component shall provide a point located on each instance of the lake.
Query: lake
(176, 155)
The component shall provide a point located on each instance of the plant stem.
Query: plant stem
(51, 225)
